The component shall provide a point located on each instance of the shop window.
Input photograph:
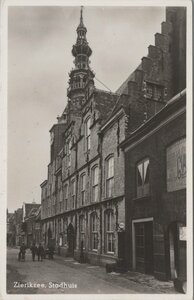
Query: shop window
(109, 232)
(94, 232)
(95, 184)
(83, 187)
(110, 177)
(143, 178)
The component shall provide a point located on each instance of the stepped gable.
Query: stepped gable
(155, 67)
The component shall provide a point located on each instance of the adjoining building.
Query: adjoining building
(84, 208)
(10, 230)
(31, 224)
(155, 174)
(155, 180)
(14, 228)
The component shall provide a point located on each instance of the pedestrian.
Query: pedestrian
(34, 251)
(51, 251)
(40, 252)
(19, 256)
(22, 252)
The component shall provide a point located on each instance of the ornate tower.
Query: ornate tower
(81, 82)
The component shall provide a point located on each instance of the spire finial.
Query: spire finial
(81, 15)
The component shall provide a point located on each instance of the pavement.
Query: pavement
(64, 275)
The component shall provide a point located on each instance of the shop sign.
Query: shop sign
(176, 166)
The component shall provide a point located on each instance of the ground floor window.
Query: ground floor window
(109, 232)
(94, 232)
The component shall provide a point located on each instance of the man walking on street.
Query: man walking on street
(40, 252)
(34, 251)
(22, 252)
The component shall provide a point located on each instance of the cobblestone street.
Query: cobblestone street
(79, 278)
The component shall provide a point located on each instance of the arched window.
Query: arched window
(94, 232)
(87, 133)
(83, 188)
(109, 177)
(82, 231)
(95, 184)
(109, 232)
(69, 145)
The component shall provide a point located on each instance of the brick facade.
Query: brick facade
(78, 148)
(165, 207)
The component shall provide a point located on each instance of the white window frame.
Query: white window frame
(94, 232)
(83, 188)
(95, 179)
(144, 186)
(109, 231)
(109, 177)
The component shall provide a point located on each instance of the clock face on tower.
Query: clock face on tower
(52, 138)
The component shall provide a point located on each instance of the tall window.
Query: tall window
(69, 144)
(73, 194)
(95, 184)
(109, 232)
(94, 232)
(82, 188)
(87, 131)
(82, 230)
(65, 197)
(109, 177)
(143, 178)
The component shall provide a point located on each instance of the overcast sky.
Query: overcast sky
(40, 40)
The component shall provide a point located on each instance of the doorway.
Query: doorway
(143, 258)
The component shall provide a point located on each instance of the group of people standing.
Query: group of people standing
(36, 250)
(39, 251)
